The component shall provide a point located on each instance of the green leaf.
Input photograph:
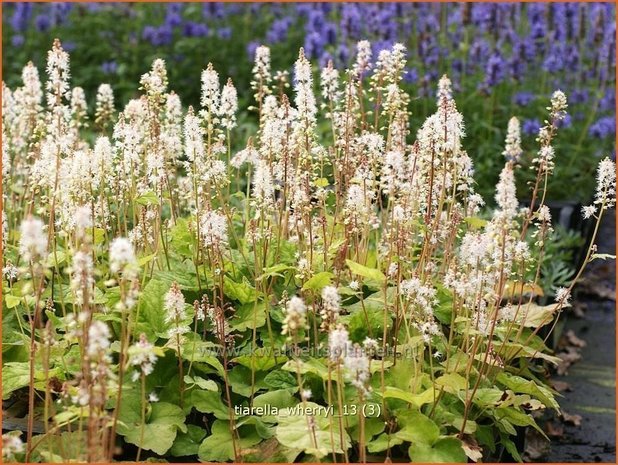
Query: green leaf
(373, 426)
(280, 398)
(271, 451)
(475, 222)
(188, 443)
(444, 310)
(417, 427)
(275, 270)
(418, 400)
(309, 366)
(487, 397)
(55, 259)
(444, 450)
(185, 279)
(321, 182)
(366, 272)
(196, 350)
(383, 442)
(249, 316)
(243, 292)
(219, 446)
(452, 382)
(99, 235)
(293, 431)
(145, 259)
(524, 386)
(368, 323)
(260, 359)
(181, 238)
(209, 402)
(148, 198)
(280, 379)
(72, 444)
(517, 418)
(264, 430)
(207, 384)
(11, 301)
(317, 282)
(511, 448)
(240, 380)
(532, 315)
(15, 375)
(151, 314)
(159, 431)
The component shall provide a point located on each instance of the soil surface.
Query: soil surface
(591, 392)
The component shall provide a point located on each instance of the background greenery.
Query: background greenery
(504, 59)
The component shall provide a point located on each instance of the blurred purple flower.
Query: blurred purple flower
(192, 29)
(17, 40)
(278, 31)
(494, 70)
(21, 16)
(59, 12)
(173, 19)
(314, 44)
(554, 60)
(410, 75)
(213, 10)
(523, 98)
(608, 101)
(109, 67)
(161, 35)
(351, 21)
(42, 22)
(173, 16)
(578, 96)
(224, 33)
(566, 122)
(531, 126)
(343, 55)
(251, 48)
(603, 127)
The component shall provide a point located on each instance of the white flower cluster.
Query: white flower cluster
(122, 258)
(104, 109)
(295, 317)
(331, 306)
(305, 98)
(558, 105)
(512, 146)
(213, 229)
(261, 71)
(142, 355)
(353, 356)
(174, 305)
(12, 445)
(155, 82)
(82, 278)
(58, 71)
(229, 106)
(32, 239)
(98, 340)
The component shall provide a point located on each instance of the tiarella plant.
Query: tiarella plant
(332, 291)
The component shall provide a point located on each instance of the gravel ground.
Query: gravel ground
(592, 380)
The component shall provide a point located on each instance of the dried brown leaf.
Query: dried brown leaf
(575, 420)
